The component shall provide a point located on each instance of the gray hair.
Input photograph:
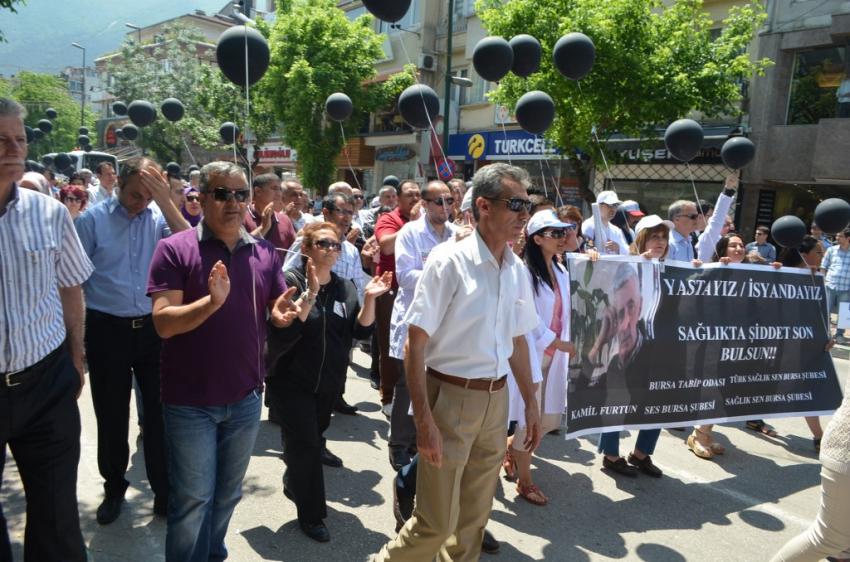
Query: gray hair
(677, 207)
(264, 179)
(386, 189)
(11, 108)
(487, 182)
(220, 168)
(341, 187)
(625, 273)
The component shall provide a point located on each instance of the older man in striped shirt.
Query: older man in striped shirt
(42, 265)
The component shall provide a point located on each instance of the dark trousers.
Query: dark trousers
(117, 352)
(40, 421)
(388, 366)
(304, 417)
(402, 428)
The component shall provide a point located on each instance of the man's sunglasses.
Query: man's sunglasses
(192, 198)
(224, 194)
(515, 204)
(693, 217)
(326, 244)
(357, 197)
(442, 201)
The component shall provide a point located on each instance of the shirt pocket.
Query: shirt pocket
(37, 265)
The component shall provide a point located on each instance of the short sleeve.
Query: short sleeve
(526, 314)
(435, 290)
(73, 266)
(278, 280)
(385, 225)
(166, 272)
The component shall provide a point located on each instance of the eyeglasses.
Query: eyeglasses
(515, 204)
(693, 217)
(326, 244)
(224, 194)
(192, 198)
(555, 234)
(442, 201)
(357, 197)
(73, 200)
(344, 212)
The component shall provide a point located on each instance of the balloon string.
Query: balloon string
(189, 150)
(696, 195)
(345, 150)
(824, 321)
(608, 174)
(552, 175)
(507, 144)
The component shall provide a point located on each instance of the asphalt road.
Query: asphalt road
(742, 507)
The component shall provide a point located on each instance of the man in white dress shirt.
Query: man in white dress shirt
(615, 242)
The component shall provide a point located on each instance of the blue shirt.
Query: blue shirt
(680, 248)
(121, 248)
(836, 263)
(766, 250)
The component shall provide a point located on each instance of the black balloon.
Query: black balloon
(193, 167)
(33, 166)
(50, 112)
(230, 54)
(83, 131)
(574, 55)
(339, 106)
(832, 215)
(30, 133)
(61, 161)
(45, 126)
(391, 180)
(737, 152)
(527, 54)
(788, 231)
(83, 140)
(119, 133)
(130, 132)
(229, 132)
(172, 109)
(47, 160)
(387, 10)
(141, 112)
(119, 108)
(419, 105)
(87, 148)
(173, 169)
(74, 158)
(683, 139)
(38, 134)
(492, 58)
(535, 111)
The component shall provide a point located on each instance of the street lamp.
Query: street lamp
(83, 93)
(138, 30)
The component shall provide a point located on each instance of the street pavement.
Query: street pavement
(741, 507)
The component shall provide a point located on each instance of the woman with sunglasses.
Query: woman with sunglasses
(308, 362)
(191, 209)
(75, 198)
(549, 345)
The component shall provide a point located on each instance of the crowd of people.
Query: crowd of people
(459, 291)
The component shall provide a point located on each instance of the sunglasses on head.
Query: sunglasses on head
(515, 204)
(442, 201)
(224, 194)
(192, 198)
(326, 244)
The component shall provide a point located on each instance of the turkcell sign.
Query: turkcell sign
(500, 145)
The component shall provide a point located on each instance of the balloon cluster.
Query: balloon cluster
(684, 137)
(831, 215)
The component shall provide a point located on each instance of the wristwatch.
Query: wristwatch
(306, 297)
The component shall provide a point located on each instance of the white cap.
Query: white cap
(608, 197)
(466, 204)
(632, 208)
(545, 219)
(651, 221)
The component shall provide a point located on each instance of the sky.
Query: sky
(40, 35)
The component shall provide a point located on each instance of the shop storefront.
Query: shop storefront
(274, 157)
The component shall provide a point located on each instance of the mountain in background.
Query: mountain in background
(40, 35)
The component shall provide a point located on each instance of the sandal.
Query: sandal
(761, 427)
(816, 443)
(700, 450)
(531, 494)
(509, 465)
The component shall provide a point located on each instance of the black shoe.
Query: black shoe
(374, 381)
(273, 416)
(556, 431)
(402, 507)
(160, 506)
(316, 531)
(645, 465)
(489, 544)
(109, 510)
(619, 466)
(330, 459)
(399, 458)
(344, 407)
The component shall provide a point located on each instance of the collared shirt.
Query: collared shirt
(824, 240)
(836, 263)
(766, 250)
(281, 234)
(347, 266)
(472, 308)
(121, 248)
(302, 221)
(39, 252)
(98, 193)
(389, 223)
(680, 248)
(612, 233)
(221, 361)
(413, 244)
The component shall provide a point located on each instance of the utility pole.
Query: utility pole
(448, 93)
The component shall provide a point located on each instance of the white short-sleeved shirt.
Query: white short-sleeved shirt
(471, 309)
(612, 233)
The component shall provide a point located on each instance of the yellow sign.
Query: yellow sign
(475, 146)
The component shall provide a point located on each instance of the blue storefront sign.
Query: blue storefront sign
(499, 145)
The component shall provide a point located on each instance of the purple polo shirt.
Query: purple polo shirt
(220, 361)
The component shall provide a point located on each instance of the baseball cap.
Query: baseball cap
(545, 219)
(608, 197)
(466, 204)
(651, 221)
(632, 208)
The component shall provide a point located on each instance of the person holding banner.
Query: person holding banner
(548, 343)
(609, 239)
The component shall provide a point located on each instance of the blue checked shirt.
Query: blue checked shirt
(836, 263)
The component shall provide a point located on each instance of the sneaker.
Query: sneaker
(387, 410)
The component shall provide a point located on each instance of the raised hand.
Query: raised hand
(353, 235)
(379, 285)
(284, 310)
(292, 211)
(268, 214)
(219, 283)
(156, 183)
(312, 279)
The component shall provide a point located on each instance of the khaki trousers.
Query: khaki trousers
(453, 502)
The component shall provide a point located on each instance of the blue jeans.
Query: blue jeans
(833, 298)
(609, 443)
(208, 453)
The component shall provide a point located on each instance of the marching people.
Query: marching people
(211, 288)
(107, 179)
(456, 372)
(119, 236)
(74, 197)
(836, 265)
(191, 210)
(615, 242)
(309, 366)
(263, 220)
(43, 266)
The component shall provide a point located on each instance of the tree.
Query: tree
(654, 64)
(173, 68)
(9, 5)
(316, 51)
(37, 92)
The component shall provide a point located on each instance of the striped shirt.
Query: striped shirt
(836, 263)
(39, 252)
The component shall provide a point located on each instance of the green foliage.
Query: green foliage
(37, 92)
(140, 74)
(9, 5)
(654, 64)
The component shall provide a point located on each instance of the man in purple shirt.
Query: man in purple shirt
(211, 287)
(264, 219)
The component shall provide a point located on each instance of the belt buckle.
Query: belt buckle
(8, 378)
(492, 382)
(137, 323)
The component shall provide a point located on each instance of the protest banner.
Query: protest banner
(664, 345)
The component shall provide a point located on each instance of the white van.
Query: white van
(88, 160)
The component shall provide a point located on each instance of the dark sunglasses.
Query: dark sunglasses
(224, 194)
(442, 201)
(357, 197)
(326, 244)
(693, 217)
(73, 200)
(558, 233)
(515, 204)
(192, 198)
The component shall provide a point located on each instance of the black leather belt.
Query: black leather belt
(12, 379)
(134, 323)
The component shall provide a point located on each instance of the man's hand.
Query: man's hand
(268, 215)
(78, 358)
(218, 284)
(156, 183)
(292, 211)
(353, 235)
(463, 232)
(284, 310)
(429, 442)
(612, 247)
(532, 426)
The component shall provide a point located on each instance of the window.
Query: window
(410, 19)
(479, 89)
(464, 9)
(820, 86)
(355, 13)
